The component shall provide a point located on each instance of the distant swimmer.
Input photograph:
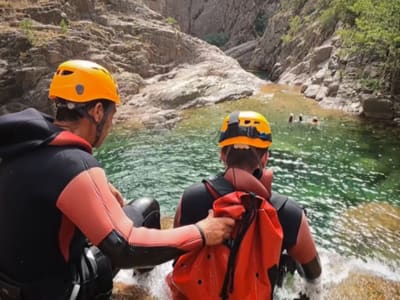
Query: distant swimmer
(291, 118)
(315, 121)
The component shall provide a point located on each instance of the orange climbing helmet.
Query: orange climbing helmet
(246, 128)
(82, 81)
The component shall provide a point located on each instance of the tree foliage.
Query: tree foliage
(372, 28)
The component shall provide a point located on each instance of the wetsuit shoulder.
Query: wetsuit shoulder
(290, 214)
(62, 164)
(196, 201)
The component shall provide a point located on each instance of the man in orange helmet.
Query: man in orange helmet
(55, 198)
(252, 261)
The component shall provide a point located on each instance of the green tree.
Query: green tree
(64, 26)
(218, 39)
(375, 33)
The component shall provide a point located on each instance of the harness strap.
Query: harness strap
(218, 186)
(278, 201)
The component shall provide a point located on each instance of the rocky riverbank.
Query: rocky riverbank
(159, 69)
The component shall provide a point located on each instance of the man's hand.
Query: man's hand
(215, 229)
(117, 194)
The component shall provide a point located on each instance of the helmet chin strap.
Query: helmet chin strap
(99, 125)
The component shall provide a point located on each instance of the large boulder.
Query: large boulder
(154, 63)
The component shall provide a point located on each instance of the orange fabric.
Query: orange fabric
(65, 235)
(87, 201)
(244, 181)
(203, 272)
(67, 138)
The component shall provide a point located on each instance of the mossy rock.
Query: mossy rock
(372, 229)
(359, 286)
(167, 222)
(122, 291)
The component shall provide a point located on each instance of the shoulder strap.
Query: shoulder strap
(278, 200)
(195, 203)
(219, 185)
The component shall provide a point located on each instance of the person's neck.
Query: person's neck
(78, 128)
(247, 169)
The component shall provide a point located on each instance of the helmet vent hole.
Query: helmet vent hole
(247, 122)
(66, 72)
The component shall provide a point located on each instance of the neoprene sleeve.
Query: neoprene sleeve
(88, 203)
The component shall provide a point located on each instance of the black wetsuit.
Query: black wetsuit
(196, 201)
(52, 190)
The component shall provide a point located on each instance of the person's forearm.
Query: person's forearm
(88, 203)
(149, 247)
(312, 270)
(304, 252)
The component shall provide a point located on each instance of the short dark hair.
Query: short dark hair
(64, 113)
(243, 158)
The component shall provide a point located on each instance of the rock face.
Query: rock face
(158, 68)
(364, 286)
(238, 21)
(285, 40)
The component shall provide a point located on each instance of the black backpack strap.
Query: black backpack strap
(196, 201)
(278, 201)
(290, 215)
(220, 185)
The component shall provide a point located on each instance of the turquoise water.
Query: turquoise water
(337, 169)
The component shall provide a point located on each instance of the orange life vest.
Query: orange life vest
(246, 266)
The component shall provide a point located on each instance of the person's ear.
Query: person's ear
(222, 155)
(264, 158)
(97, 112)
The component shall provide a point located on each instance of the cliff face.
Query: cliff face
(234, 21)
(283, 39)
(158, 68)
(286, 40)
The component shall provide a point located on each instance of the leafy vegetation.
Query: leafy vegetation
(294, 27)
(64, 26)
(172, 21)
(371, 31)
(260, 23)
(26, 26)
(218, 39)
(293, 5)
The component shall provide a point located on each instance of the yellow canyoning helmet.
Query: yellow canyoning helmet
(82, 81)
(246, 128)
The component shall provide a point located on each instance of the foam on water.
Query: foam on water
(336, 268)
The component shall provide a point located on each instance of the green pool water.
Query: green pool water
(335, 169)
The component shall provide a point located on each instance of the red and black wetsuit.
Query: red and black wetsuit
(54, 195)
(297, 238)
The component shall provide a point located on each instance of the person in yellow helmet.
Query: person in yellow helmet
(65, 228)
(254, 259)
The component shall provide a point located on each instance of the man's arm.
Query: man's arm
(305, 253)
(89, 203)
